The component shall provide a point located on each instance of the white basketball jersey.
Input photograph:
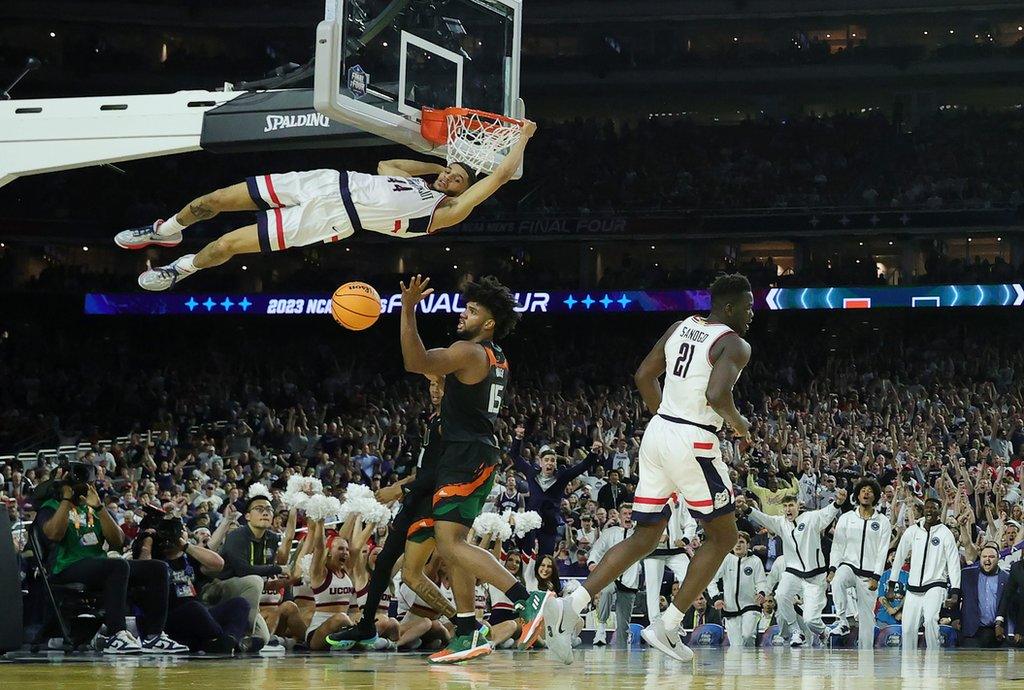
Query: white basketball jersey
(335, 591)
(687, 370)
(396, 206)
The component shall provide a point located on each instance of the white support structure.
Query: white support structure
(44, 135)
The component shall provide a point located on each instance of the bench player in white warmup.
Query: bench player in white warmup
(296, 209)
(859, 548)
(701, 359)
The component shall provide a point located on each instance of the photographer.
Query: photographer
(221, 629)
(79, 524)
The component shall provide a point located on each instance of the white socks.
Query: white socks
(171, 226)
(672, 617)
(580, 600)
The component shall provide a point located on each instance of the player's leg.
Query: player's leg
(930, 609)
(241, 241)
(813, 601)
(911, 621)
(842, 580)
(734, 630)
(654, 571)
(168, 233)
(412, 629)
(464, 564)
(785, 598)
(318, 642)
(679, 564)
(604, 611)
(749, 628)
(417, 553)
(866, 598)
(623, 616)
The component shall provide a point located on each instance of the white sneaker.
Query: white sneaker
(840, 628)
(140, 238)
(560, 623)
(796, 640)
(165, 277)
(273, 647)
(162, 644)
(665, 640)
(122, 643)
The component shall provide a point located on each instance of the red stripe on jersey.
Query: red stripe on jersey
(703, 446)
(700, 504)
(271, 192)
(398, 226)
(280, 228)
(712, 345)
(650, 501)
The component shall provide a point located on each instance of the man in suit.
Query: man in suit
(700, 614)
(981, 590)
(1011, 604)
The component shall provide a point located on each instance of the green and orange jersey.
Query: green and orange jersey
(469, 411)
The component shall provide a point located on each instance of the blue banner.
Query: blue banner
(564, 302)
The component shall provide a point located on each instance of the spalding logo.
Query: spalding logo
(935, 541)
(748, 570)
(875, 526)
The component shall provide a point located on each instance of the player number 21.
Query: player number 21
(682, 366)
(494, 405)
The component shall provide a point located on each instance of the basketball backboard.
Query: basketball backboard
(379, 61)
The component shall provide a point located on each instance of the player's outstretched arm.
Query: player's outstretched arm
(734, 355)
(461, 357)
(400, 167)
(457, 209)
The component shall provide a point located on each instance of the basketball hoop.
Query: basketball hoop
(477, 138)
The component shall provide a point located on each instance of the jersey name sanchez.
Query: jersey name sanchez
(688, 369)
(396, 206)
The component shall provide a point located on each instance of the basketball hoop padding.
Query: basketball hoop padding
(476, 138)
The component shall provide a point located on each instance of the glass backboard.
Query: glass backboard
(379, 61)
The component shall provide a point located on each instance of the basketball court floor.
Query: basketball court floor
(595, 669)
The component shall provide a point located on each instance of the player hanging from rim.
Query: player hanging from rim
(701, 359)
(476, 377)
(296, 209)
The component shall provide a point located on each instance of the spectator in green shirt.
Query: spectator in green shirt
(771, 497)
(80, 526)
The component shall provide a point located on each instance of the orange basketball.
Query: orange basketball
(356, 306)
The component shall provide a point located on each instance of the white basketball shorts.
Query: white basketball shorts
(299, 208)
(679, 458)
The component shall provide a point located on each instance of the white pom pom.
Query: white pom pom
(305, 563)
(527, 522)
(358, 491)
(493, 524)
(322, 507)
(377, 513)
(259, 489)
(300, 489)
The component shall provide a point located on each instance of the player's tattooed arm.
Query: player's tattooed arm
(429, 593)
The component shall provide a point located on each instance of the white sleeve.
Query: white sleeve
(688, 524)
(600, 546)
(760, 579)
(772, 523)
(953, 561)
(839, 543)
(886, 529)
(823, 517)
(713, 589)
(903, 550)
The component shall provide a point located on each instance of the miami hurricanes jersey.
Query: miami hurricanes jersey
(687, 371)
(396, 206)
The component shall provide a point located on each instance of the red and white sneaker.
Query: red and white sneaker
(140, 238)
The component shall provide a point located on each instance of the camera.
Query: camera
(166, 531)
(77, 475)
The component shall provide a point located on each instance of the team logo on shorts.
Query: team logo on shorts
(721, 499)
(875, 526)
(935, 541)
(748, 571)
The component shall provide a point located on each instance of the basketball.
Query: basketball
(356, 306)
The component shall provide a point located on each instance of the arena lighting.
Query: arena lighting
(562, 302)
(53, 35)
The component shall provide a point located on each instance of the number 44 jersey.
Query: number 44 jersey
(688, 367)
(469, 411)
(395, 206)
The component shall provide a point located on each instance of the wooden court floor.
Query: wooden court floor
(595, 669)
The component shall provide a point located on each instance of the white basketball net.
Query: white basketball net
(480, 142)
